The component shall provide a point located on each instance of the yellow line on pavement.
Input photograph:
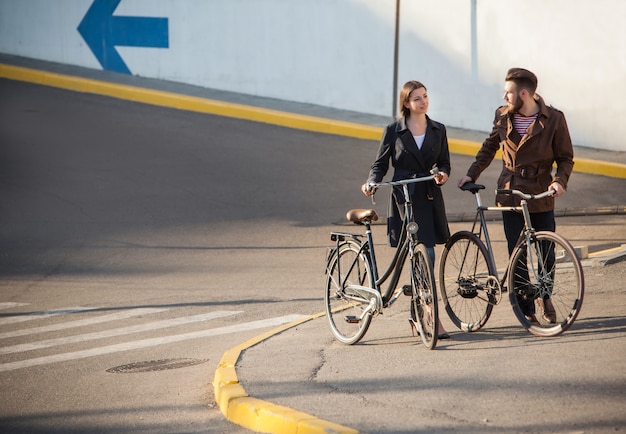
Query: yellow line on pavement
(256, 414)
(257, 114)
(190, 103)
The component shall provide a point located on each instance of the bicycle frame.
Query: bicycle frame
(525, 235)
(394, 270)
(399, 258)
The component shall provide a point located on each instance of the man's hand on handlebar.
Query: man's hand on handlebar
(555, 186)
(558, 189)
(464, 180)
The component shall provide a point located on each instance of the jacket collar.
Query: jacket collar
(543, 107)
(401, 124)
(406, 137)
(536, 127)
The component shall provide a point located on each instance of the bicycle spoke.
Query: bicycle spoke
(467, 285)
(547, 275)
(424, 309)
(345, 308)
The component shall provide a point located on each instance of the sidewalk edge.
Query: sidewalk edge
(258, 415)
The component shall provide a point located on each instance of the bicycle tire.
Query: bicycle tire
(342, 311)
(424, 307)
(467, 281)
(563, 282)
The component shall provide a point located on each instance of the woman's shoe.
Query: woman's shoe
(414, 331)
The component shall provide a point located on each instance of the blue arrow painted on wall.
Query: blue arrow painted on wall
(103, 32)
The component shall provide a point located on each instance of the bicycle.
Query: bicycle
(353, 294)
(543, 267)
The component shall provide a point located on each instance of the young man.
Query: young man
(533, 137)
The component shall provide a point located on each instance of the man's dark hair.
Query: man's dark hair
(523, 79)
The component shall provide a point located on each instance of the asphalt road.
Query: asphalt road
(200, 232)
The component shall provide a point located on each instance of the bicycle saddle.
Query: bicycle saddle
(361, 215)
(470, 186)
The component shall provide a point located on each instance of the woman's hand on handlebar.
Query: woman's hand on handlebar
(441, 178)
(367, 191)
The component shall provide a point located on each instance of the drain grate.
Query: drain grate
(155, 365)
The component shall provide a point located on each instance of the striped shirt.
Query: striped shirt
(521, 122)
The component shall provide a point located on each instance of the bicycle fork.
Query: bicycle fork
(537, 255)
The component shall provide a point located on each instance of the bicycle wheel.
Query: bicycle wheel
(548, 272)
(424, 309)
(345, 309)
(467, 281)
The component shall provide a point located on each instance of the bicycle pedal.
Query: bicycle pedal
(494, 298)
(350, 319)
(407, 290)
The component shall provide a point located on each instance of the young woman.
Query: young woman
(414, 144)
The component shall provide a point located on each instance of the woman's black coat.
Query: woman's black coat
(409, 161)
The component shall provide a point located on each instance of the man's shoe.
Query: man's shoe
(547, 310)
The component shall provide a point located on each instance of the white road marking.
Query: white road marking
(46, 314)
(81, 322)
(145, 343)
(155, 325)
(9, 305)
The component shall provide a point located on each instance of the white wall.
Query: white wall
(339, 53)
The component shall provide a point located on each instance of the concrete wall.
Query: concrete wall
(339, 53)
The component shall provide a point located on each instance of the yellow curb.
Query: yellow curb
(606, 252)
(613, 170)
(257, 114)
(256, 414)
(261, 416)
(190, 103)
(466, 147)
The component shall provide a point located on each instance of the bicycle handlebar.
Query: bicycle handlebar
(526, 196)
(372, 186)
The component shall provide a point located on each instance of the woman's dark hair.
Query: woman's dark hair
(405, 92)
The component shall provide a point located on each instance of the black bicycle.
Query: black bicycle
(543, 269)
(353, 293)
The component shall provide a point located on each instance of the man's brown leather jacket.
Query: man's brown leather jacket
(527, 161)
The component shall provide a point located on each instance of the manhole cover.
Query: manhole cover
(155, 365)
